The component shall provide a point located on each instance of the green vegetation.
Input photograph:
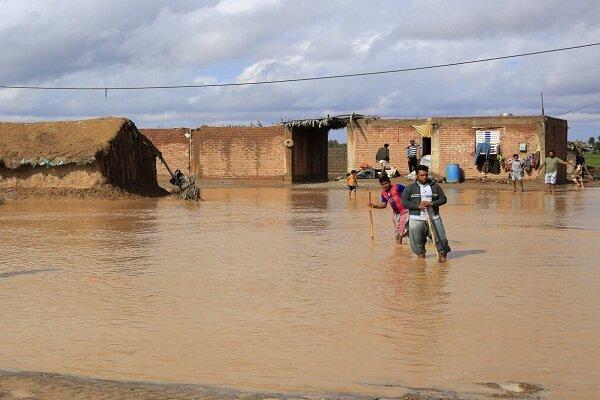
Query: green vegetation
(335, 143)
(595, 143)
(592, 159)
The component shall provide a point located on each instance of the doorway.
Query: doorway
(309, 154)
(426, 146)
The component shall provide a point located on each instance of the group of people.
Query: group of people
(383, 156)
(550, 168)
(383, 159)
(415, 208)
(416, 211)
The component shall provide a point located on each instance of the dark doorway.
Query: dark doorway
(426, 146)
(309, 154)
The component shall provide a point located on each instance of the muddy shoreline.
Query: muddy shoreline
(105, 192)
(51, 386)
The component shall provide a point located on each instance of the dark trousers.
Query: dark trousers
(412, 164)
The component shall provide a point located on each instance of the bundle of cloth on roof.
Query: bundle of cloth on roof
(427, 129)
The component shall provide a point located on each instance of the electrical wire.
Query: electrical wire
(577, 109)
(314, 78)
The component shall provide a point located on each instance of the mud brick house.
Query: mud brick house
(294, 151)
(87, 154)
(453, 140)
(174, 144)
(241, 152)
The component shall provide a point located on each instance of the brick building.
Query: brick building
(296, 151)
(453, 140)
(174, 146)
(278, 152)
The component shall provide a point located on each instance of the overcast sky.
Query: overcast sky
(153, 42)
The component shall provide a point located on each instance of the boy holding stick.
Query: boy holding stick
(391, 194)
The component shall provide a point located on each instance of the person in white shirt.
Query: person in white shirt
(516, 172)
(418, 197)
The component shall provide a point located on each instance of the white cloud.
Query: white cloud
(243, 6)
(9, 94)
(159, 42)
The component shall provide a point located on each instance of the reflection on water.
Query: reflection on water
(308, 210)
(279, 289)
(26, 272)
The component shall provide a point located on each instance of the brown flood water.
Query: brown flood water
(277, 289)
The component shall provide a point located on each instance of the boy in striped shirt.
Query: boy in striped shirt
(411, 154)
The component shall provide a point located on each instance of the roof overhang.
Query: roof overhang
(328, 122)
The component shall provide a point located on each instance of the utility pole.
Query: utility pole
(542, 96)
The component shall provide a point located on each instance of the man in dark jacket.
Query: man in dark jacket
(418, 197)
(383, 156)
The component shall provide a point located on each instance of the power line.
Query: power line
(579, 108)
(314, 78)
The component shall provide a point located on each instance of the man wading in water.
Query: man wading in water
(418, 198)
(549, 165)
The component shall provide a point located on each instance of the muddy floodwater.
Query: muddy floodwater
(278, 289)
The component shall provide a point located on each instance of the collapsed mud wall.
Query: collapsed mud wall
(106, 155)
(130, 162)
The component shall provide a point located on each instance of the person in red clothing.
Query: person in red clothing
(391, 194)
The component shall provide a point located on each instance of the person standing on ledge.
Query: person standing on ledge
(383, 157)
(418, 197)
(550, 163)
(411, 154)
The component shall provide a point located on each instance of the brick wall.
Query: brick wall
(556, 139)
(174, 147)
(454, 140)
(240, 152)
(457, 141)
(337, 161)
(367, 138)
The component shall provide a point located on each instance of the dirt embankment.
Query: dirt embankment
(48, 386)
(104, 192)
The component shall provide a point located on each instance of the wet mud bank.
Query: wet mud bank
(102, 192)
(50, 386)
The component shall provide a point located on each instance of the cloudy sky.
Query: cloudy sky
(154, 42)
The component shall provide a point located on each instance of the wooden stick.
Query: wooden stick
(433, 231)
(371, 222)
(170, 172)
